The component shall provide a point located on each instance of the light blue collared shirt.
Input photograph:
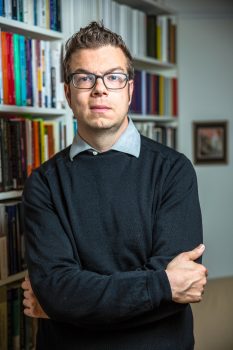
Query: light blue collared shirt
(129, 142)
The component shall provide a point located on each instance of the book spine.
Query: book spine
(17, 70)
(22, 54)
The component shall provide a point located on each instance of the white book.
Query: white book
(41, 13)
(130, 29)
(46, 147)
(107, 13)
(114, 17)
(135, 32)
(142, 34)
(8, 9)
(123, 22)
(30, 11)
(117, 16)
(57, 85)
(164, 38)
(26, 11)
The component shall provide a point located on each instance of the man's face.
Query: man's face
(99, 108)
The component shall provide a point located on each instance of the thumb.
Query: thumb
(196, 252)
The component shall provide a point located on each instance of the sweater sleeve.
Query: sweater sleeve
(177, 225)
(66, 291)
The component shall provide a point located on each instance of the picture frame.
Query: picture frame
(210, 142)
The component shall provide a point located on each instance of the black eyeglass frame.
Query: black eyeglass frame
(70, 79)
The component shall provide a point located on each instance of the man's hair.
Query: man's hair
(93, 36)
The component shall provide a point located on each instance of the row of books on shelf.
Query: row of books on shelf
(166, 135)
(30, 71)
(17, 331)
(153, 36)
(161, 38)
(12, 245)
(154, 94)
(25, 143)
(42, 13)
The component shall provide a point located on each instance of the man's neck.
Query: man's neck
(102, 140)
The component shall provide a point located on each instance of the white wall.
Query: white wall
(205, 57)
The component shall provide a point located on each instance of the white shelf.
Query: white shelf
(32, 110)
(13, 278)
(151, 7)
(10, 195)
(153, 118)
(151, 63)
(36, 32)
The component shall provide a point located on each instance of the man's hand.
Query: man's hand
(32, 306)
(187, 278)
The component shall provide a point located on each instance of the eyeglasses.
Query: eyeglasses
(113, 81)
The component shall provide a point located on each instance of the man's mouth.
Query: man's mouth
(100, 108)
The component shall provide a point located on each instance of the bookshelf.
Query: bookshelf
(36, 32)
(51, 112)
(12, 279)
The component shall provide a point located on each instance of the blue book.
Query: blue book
(1, 8)
(23, 67)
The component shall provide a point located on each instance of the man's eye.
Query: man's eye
(86, 78)
(114, 77)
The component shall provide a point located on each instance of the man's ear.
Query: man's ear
(67, 93)
(130, 89)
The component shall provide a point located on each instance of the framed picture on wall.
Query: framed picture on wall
(210, 142)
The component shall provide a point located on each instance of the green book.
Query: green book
(17, 69)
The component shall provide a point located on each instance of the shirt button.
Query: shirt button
(95, 153)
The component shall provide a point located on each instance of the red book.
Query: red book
(4, 69)
(174, 97)
(36, 143)
(10, 69)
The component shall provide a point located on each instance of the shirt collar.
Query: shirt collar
(129, 142)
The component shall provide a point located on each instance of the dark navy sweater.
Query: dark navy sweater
(100, 231)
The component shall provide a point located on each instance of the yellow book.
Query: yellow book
(159, 39)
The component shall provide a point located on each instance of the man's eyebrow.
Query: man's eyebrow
(85, 71)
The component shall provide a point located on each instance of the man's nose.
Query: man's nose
(99, 87)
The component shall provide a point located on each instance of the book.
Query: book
(3, 318)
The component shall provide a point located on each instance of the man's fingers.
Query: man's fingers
(195, 253)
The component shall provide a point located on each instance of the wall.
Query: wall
(205, 56)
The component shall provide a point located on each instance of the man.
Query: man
(113, 223)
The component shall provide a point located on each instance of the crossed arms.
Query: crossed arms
(87, 297)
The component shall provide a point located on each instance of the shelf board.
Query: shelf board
(32, 110)
(13, 278)
(10, 195)
(151, 7)
(153, 118)
(29, 30)
(150, 62)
